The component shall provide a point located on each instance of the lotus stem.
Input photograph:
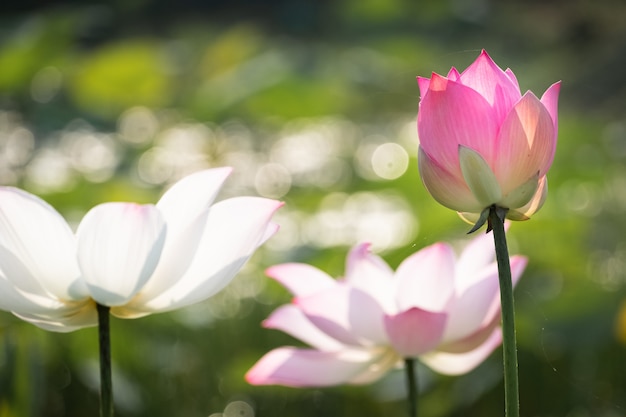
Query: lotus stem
(509, 348)
(411, 384)
(104, 339)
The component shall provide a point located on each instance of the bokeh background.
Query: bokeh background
(312, 102)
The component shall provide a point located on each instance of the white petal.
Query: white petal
(370, 274)
(347, 314)
(460, 363)
(66, 319)
(312, 368)
(291, 320)
(37, 247)
(119, 245)
(185, 208)
(476, 304)
(301, 279)
(478, 253)
(426, 279)
(233, 231)
(472, 304)
(191, 197)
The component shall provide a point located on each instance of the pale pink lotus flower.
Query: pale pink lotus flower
(483, 143)
(435, 307)
(136, 259)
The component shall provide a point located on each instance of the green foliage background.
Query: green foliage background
(114, 101)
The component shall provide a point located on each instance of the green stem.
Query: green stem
(104, 339)
(411, 384)
(509, 349)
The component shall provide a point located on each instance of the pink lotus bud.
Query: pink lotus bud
(483, 143)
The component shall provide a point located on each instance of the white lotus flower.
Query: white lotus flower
(135, 259)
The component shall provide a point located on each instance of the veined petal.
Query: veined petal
(371, 274)
(21, 302)
(521, 195)
(496, 86)
(291, 320)
(426, 279)
(37, 247)
(477, 304)
(518, 265)
(470, 218)
(346, 314)
(119, 245)
(233, 231)
(550, 99)
(415, 331)
(423, 83)
(185, 207)
(311, 368)
(479, 177)
(526, 144)
(473, 340)
(450, 115)
(460, 363)
(449, 190)
(453, 75)
(191, 197)
(386, 358)
(513, 78)
(301, 279)
(73, 316)
(524, 213)
(472, 304)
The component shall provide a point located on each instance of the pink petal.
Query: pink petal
(346, 314)
(38, 248)
(450, 115)
(496, 86)
(423, 84)
(526, 144)
(370, 274)
(312, 368)
(512, 77)
(300, 279)
(550, 99)
(291, 320)
(449, 190)
(460, 363)
(415, 331)
(233, 231)
(453, 75)
(426, 279)
(119, 245)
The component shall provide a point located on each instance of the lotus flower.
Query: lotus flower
(135, 259)
(442, 310)
(483, 143)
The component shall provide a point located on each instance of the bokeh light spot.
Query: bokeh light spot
(390, 161)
